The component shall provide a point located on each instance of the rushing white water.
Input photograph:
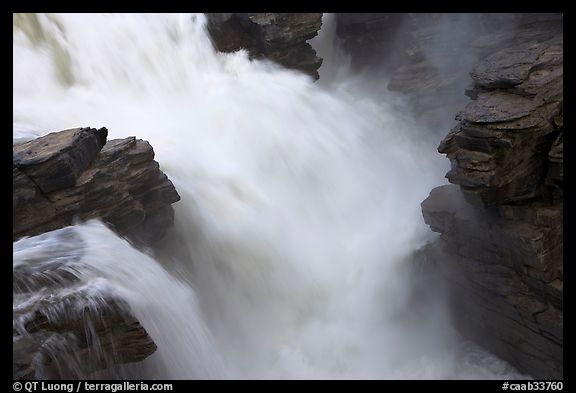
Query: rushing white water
(105, 264)
(300, 203)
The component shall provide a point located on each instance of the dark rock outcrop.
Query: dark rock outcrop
(79, 343)
(501, 225)
(280, 37)
(67, 326)
(76, 174)
(500, 149)
(505, 277)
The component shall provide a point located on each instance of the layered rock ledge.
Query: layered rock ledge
(280, 37)
(501, 224)
(501, 148)
(77, 174)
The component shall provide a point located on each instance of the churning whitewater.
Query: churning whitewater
(300, 204)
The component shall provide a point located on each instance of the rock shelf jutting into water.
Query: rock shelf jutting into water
(77, 175)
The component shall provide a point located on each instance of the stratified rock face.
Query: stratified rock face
(505, 275)
(65, 326)
(501, 246)
(280, 37)
(500, 149)
(77, 174)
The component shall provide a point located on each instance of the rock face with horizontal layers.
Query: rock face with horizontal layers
(66, 326)
(501, 224)
(280, 37)
(500, 149)
(76, 174)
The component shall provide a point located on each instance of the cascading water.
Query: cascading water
(81, 274)
(299, 203)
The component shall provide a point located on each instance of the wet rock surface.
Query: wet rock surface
(66, 326)
(77, 174)
(279, 37)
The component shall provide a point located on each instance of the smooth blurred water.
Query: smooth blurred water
(300, 201)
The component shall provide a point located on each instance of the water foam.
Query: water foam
(299, 202)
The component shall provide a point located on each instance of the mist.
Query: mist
(291, 255)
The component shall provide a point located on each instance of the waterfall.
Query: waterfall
(300, 203)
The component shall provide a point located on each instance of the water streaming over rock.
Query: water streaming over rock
(75, 274)
(300, 203)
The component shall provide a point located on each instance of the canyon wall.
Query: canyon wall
(501, 224)
(500, 251)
